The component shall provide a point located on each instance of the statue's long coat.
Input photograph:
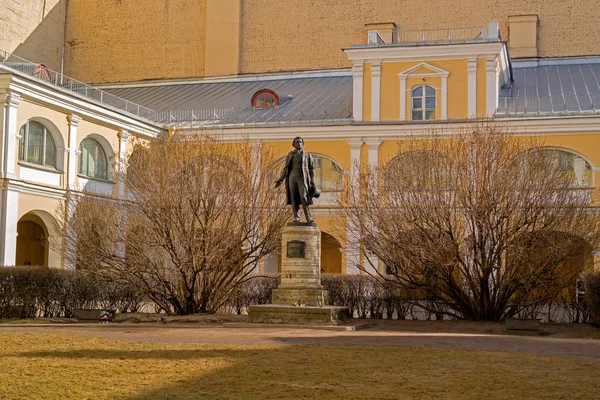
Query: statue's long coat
(308, 173)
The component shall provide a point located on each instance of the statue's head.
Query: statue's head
(298, 143)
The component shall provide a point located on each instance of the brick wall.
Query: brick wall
(309, 34)
(123, 40)
(33, 29)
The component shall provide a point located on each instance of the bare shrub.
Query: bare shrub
(477, 224)
(591, 284)
(196, 222)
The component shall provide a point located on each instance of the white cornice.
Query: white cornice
(423, 53)
(63, 102)
(550, 126)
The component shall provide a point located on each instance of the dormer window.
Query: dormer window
(265, 98)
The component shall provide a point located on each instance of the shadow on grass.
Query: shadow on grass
(342, 371)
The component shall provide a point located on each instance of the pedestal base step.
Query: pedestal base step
(279, 313)
(300, 296)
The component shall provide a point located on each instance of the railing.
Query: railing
(250, 116)
(429, 36)
(41, 73)
(569, 104)
(450, 35)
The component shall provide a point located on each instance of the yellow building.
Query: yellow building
(351, 87)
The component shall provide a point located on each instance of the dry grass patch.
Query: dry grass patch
(39, 366)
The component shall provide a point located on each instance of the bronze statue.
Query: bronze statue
(299, 175)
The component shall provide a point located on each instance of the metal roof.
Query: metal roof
(302, 99)
(561, 88)
(552, 89)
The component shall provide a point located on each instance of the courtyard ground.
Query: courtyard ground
(234, 360)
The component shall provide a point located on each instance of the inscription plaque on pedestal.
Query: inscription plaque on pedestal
(296, 249)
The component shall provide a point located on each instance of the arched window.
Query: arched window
(578, 170)
(92, 160)
(329, 175)
(37, 145)
(265, 98)
(423, 103)
(419, 170)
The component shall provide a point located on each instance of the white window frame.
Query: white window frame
(24, 145)
(423, 109)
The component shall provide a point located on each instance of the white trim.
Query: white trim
(437, 72)
(403, 98)
(491, 87)
(9, 211)
(9, 131)
(61, 101)
(540, 62)
(472, 87)
(73, 121)
(40, 175)
(575, 125)
(327, 73)
(375, 90)
(357, 91)
(424, 53)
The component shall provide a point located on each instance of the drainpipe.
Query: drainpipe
(62, 57)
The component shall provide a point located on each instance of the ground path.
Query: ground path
(246, 334)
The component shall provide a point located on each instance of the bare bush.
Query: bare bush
(591, 284)
(29, 292)
(477, 224)
(196, 222)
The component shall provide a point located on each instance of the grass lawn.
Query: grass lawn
(39, 366)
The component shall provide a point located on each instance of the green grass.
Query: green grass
(39, 366)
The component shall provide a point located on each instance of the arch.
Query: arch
(329, 174)
(418, 169)
(48, 239)
(265, 98)
(574, 255)
(577, 165)
(331, 254)
(57, 138)
(109, 153)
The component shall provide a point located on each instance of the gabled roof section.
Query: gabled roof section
(424, 69)
(304, 98)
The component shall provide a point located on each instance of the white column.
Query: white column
(370, 261)
(376, 90)
(123, 138)
(491, 86)
(373, 160)
(444, 113)
(8, 224)
(402, 97)
(9, 198)
(472, 87)
(72, 151)
(9, 134)
(357, 91)
(352, 245)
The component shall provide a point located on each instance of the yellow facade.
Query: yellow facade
(136, 41)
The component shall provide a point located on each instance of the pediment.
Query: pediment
(424, 69)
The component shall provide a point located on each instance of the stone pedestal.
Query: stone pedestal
(300, 267)
(300, 298)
